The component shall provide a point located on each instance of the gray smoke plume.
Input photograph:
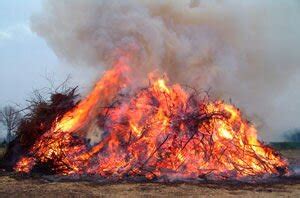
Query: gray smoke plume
(244, 50)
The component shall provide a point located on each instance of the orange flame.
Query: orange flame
(159, 131)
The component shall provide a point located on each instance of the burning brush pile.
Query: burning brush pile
(160, 132)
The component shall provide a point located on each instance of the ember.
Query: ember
(156, 132)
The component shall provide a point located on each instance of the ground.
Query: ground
(10, 187)
(15, 186)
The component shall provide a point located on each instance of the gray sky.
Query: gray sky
(26, 60)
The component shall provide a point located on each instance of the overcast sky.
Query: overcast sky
(26, 60)
(24, 57)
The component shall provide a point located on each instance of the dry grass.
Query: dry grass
(10, 187)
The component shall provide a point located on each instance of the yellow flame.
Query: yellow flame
(137, 131)
(160, 85)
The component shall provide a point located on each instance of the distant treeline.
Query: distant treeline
(285, 145)
(292, 135)
(3, 144)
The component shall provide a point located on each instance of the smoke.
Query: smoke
(244, 50)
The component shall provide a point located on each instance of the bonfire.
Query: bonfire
(157, 132)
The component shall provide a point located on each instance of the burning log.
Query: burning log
(155, 132)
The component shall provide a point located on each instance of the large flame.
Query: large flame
(156, 132)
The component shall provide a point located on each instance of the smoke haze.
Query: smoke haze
(246, 51)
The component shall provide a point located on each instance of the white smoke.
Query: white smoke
(245, 50)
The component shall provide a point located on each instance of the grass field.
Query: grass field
(15, 186)
(10, 187)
